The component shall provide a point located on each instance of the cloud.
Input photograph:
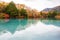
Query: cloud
(38, 4)
(55, 1)
(30, 0)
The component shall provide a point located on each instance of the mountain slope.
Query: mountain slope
(57, 8)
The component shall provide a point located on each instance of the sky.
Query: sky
(37, 4)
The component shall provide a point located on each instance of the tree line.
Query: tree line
(14, 13)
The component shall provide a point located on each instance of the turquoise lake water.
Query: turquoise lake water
(29, 29)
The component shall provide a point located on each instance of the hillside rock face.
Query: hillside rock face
(46, 9)
(57, 8)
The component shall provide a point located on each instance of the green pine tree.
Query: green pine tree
(11, 10)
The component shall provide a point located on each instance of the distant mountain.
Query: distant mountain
(47, 9)
(57, 8)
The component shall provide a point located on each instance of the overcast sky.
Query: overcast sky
(37, 4)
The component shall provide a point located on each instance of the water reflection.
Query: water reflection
(13, 25)
(38, 31)
(51, 22)
(10, 26)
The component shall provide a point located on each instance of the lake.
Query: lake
(29, 29)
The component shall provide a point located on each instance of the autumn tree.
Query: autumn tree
(23, 13)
